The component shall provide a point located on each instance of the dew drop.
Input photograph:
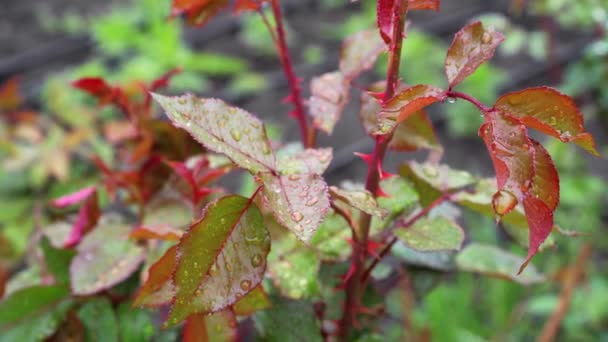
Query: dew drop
(223, 220)
(565, 137)
(245, 285)
(256, 260)
(221, 123)
(303, 194)
(265, 149)
(182, 101)
(486, 38)
(297, 216)
(213, 269)
(503, 202)
(430, 171)
(218, 328)
(451, 99)
(294, 177)
(232, 110)
(312, 201)
(236, 135)
(552, 121)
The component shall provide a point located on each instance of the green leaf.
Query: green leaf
(415, 133)
(432, 234)
(359, 199)
(294, 271)
(223, 129)
(441, 260)
(105, 258)
(331, 239)
(494, 262)
(473, 45)
(431, 180)
(329, 93)
(158, 288)
(220, 327)
(299, 202)
(134, 324)
(33, 313)
(98, 318)
(57, 260)
(255, 300)
(220, 259)
(292, 161)
(288, 320)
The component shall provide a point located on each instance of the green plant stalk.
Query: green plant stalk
(354, 282)
(295, 97)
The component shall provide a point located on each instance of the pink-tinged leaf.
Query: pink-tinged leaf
(218, 327)
(472, 46)
(198, 12)
(424, 5)
(405, 104)
(74, 198)
(540, 222)
(359, 199)
(255, 300)
(97, 87)
(105, 258)
(328, 96)
(550, 112)
(495, 262)
(385, 17)
(545, 184)
(415, 133)
(299, 201)
(310, 160)
(158, 289)
(432, 235)
(220, 259)
(87, 218)
(221, 128)
(359, 53)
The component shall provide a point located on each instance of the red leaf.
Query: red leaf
(472, 46)
(405, 104)
(550, 112)
(424, 5)
(384, 17)
(159, 277)
(414, 133)
(73, 198)
(10, 97)
(88, 214)
(545, 184)
(247, 5)
(163, 81)
(97, 87)
(540, 223)
(160, 232)
(198, 12)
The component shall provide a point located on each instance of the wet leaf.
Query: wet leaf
(414, 133)
(359, 199)
(294, 270)
(359, 53)
(370, 107)
(134, 324)
(440, 260)
(472, 46)
(549, 111)
(494, 262)
(220, 259)
(431, 180)
(299, 202)
(86, 220)
(33, 313)
(223, 129)
(405, 104)
(278, 322)
(328, 96)
(432, 234)
(158, 289)
(97, 316)
(310, 160)
(220, 327)
(255, 300)
(105, 258)
(331, 239)
(57, 260)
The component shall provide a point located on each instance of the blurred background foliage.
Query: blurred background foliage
(45, 157)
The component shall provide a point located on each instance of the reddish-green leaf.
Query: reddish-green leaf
(220, 327)
(241, 6)
(198, 12)
(432, 234)
(405, 104)
(10, 97)
(359, 53)
(385, 17)
(298, 201)
(328, 96)
(414, 133)
(473, 45)
(359, 199)
(223, 129)
(158, 289)
(105, 258)
(494, 262)
(424, 5)
(255, 300)
(550, 112)
(310, 160)
(220, 259)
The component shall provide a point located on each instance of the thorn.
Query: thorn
(345, 278)
(367, 158)
(381, 193)
(377, 95)
(293, 114)
(373, 247)
(287, 99)
(384, 174)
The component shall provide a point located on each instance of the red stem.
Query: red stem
(354, 284)
(295, 97)
(474, 101)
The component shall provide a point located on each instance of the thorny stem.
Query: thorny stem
(354, 285)
(469, 98)
(295, 97)
(404, 224)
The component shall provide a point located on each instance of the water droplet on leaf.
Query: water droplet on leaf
(486, 38)
(256, 260)
(245, 285)
(503, 202)
(297, 216)
(236, 135)
(451, 99)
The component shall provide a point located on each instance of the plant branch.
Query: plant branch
(469, 98)
(572, 278)
(295, 97)
(354, 285)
